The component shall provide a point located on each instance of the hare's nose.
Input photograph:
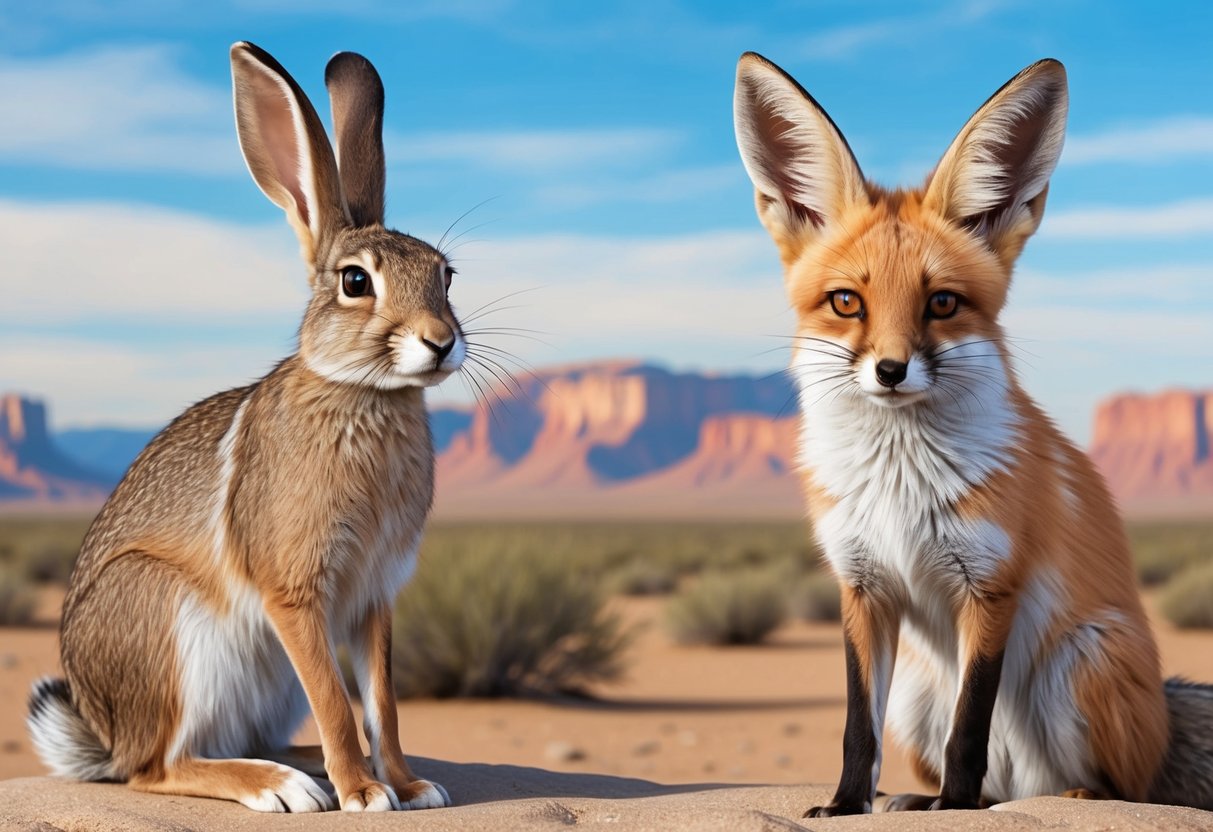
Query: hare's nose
(442, 350)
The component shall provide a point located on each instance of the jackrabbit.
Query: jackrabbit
(268, 524)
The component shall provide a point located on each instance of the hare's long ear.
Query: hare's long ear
(356, 94)
(995, 176)
(285, 147)
(802, 168)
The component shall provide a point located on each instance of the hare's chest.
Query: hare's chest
(377, 542)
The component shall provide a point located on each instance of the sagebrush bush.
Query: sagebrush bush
(816, 598)
(1187, 599)
(492, 623)
(645, 577)
(42, 548)
(1162, 550)
(733, 607)
(18, 598)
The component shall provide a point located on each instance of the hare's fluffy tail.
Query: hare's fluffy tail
(64, 741)
(1186, 777)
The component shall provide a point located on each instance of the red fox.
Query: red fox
(975, 546)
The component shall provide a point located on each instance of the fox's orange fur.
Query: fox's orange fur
(961, 523)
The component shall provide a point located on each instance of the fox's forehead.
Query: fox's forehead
(894, 250)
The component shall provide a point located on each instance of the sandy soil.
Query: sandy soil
(747, 715)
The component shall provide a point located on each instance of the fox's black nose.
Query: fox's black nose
(440, 350)
(890, 373)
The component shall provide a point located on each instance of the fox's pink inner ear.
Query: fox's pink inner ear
(801, 166)
(994, 178)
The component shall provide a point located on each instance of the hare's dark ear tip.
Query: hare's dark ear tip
(349, 65)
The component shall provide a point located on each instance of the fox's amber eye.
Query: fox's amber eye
(846, 304)
(355, 282)
(942, 305)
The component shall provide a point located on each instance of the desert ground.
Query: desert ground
(683, 741)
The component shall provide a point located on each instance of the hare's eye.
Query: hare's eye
(447, 275)
(355, 282)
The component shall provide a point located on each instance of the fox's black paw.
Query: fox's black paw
(908, 802)
(835, 809)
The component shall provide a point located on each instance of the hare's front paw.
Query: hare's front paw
(422, 794)
(294, 792)
(370, 797)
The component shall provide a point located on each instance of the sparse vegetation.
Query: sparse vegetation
(18, 598)
(499, 623)
(816, 598)
(1187, 599)
(41, 548)
(646, 577)
(733, 607)
(1162, 550)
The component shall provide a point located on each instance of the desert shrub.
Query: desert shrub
(816, 598)
(645, 577)
(42, 548)
(733, 607)
(18, 598)
(1161, 550)
(501, 623)
(1187, 599)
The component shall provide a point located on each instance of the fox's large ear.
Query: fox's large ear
(801, 166)
(356, 94)
(285, 147)
(995, 176)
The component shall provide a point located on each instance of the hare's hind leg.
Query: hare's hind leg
(258, 784)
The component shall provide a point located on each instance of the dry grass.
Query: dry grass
(486, 623)
(1187, 599)
(733, 607)
(18, 598)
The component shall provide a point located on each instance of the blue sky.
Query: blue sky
(145, 270)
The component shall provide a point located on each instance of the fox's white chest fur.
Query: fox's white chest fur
(895, 476)
(896, 473)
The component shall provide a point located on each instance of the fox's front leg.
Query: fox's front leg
(985, 622)
(302, 627)
(372, 659)
(871, 619)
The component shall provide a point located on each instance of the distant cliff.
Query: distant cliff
(631, 439)
(32, 467)
(1154, 448)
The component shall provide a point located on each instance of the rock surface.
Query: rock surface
(509, 797)
(1156, 447)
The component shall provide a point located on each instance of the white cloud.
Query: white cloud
(1176, 219)
(1169, 139)
(526, 151)
(115, 108)
(664, 187)
(846, 41)
(89, 262)
(89, 381)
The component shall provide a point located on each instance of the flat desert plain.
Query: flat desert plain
(692, 738)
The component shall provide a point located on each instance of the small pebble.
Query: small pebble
(791, 729)
(560, 751)
(646, 748)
